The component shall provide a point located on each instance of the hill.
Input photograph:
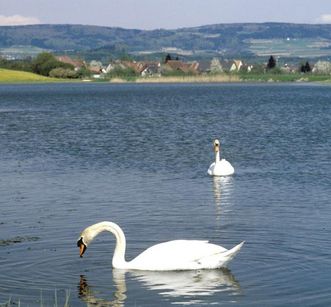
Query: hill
(226, 40)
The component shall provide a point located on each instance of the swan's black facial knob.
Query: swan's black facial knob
(82, 247)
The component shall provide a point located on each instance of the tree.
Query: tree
(271, 63)
(45, 62)
(305, 68)
(167, 58)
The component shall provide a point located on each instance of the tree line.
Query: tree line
(304, 68)
(45, 64)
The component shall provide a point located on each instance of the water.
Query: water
(75, 154)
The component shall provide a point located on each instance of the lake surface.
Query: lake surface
(72, 155)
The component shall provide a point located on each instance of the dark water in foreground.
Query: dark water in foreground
(73, 155)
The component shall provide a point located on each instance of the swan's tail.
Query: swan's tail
(229, 254)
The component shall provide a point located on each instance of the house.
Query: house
(288, 68)
(213, 66)
(141, 68)
(226, 65)
(151, 69)
(117, 64)
(76, 63)
(249, 67)
(96, 68)
(179, 66)
(236, 66)
(216, 66)
(204, 67)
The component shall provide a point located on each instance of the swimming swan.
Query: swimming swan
(220, 167)
(167, 256)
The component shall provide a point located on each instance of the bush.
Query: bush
(83, 72)
(122, 73)
(63, 73)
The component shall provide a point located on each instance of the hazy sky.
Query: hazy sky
(169, 14)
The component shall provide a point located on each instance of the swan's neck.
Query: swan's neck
(119, 253)
(217, 156)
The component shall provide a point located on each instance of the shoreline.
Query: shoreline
(17, 77)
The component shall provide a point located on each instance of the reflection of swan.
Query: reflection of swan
(88, 296)
(188, 283)
(186, 286)
(220, 167)
(171, 255)
(222, 187)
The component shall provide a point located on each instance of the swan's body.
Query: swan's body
(220, 167)
(167, 256)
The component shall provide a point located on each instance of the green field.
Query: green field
(7, 75)
(294, 77)
(290, 47)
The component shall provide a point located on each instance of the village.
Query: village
(173, 66)
(170, 68)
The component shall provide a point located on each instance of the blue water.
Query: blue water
(72, 155)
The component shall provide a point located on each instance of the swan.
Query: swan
(167, 256)
(220, 167)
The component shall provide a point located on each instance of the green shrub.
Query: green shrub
(63, 73)
(123, 73)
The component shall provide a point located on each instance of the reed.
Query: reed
(66, 302)
(192, 79)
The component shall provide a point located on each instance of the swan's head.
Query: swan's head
(82, 246)
(86, 237)
(217, 145)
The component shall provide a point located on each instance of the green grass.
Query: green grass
(13, 76)
(282, 77)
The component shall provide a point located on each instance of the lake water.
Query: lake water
(72, 155)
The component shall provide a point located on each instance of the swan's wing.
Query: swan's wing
(177, 254)
(223, 168)
(211, 169)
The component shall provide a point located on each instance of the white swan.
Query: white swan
(168, 256)
(220, 167)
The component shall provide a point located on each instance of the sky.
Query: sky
(166, 14)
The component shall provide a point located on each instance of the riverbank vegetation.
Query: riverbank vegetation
(46, 67)
(12, 76)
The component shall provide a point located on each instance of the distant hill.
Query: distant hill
(224, 40)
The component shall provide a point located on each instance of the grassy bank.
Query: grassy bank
(13, 76)
(294, 77)
(219, 78)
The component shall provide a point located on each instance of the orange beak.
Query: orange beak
(82, 249)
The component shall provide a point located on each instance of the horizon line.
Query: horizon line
(166, 29)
